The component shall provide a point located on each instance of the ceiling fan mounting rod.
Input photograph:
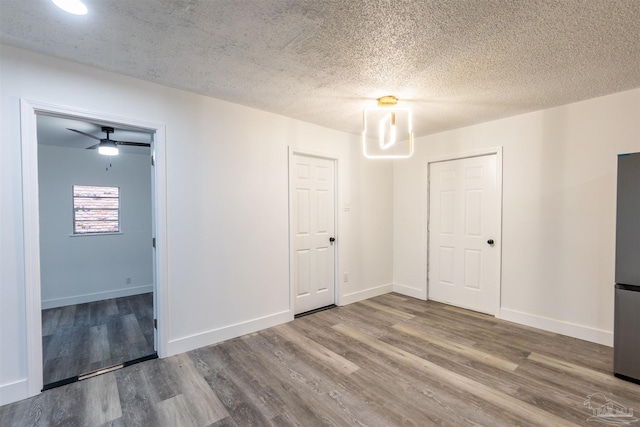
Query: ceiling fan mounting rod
(107, 130)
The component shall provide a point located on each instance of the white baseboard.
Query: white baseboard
(97, 296)
(203, 339)
(586, 333)
(366, 294)
(410, 292)
(12, 392)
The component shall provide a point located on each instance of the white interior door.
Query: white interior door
(463, 246)
(312, 230)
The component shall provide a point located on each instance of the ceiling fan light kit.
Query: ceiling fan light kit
(108, 146)
(387, 131)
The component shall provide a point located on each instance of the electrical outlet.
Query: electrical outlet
(345, 277)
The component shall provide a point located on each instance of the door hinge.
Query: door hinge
(153, 162)
(153, 242)
(155, 323)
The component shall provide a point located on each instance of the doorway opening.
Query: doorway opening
(85, 308)
(96, 254)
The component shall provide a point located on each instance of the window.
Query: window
(96, 209)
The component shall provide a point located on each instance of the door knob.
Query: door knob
(332, 239)
(490, 241)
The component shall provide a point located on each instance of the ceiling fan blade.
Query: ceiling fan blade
(84, 133)
(133, 144)
(93, 146)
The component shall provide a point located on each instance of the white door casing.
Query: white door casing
(464, 246)
(156, 337)
(312, 181)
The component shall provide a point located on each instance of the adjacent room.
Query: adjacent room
(96, 253)
(279, 212)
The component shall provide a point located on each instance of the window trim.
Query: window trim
(74, 233)
(106, 233)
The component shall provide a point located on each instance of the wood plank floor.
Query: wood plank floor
(84, 337)
(388, 361)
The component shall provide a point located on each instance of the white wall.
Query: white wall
(227, 195)
(227, 227)
(73, 268)
(559, 184)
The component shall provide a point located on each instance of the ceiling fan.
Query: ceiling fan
(108, 146)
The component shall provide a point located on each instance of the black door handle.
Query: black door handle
(332, 239)
(490, 241)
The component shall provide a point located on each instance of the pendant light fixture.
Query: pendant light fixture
(387, 130)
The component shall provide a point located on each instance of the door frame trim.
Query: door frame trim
(337, 162)
(29, 109)
(465, 155)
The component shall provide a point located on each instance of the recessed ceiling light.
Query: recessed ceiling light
(72, 6)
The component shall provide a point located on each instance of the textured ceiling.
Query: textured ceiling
(456, 63)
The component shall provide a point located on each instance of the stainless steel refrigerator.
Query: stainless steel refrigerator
(626, 329)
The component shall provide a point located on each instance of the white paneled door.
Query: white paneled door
(463, 221)
(312, 230)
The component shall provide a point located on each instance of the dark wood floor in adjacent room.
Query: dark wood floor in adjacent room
(81, 338)
(387, 361)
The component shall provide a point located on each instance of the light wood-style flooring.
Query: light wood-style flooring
(81, 338)
(388, 361)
